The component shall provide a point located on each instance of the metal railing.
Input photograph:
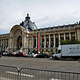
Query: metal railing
(14, 73)
(9, 73)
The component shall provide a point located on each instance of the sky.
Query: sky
(45, 13)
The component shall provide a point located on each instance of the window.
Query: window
(52, 43)
(42, 42)
(51, 50)
(59, 51)
(34, 43)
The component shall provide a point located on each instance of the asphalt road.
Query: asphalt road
(42, 63)
(11, 73)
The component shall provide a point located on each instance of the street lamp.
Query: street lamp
(28, 38)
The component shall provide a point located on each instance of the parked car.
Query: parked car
(42, 55)
(30, 54)
(8, 54)
(34, 55)
(4, 54)
(24, 54)
(19, 54)
(13, 53)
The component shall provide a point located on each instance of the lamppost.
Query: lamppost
(28, 38)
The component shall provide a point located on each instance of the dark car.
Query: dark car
(19, 54)
(42, 55)
(8, 54)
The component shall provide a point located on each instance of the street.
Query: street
(42, 63)
(11, 73)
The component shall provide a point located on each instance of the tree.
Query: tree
(72, 41)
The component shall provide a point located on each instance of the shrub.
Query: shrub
(72, 41)
(35, 51)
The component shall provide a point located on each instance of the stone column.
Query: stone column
(44, 41)
(6, 43)
(78, 34)
(10, 42)
(36, 41)
(54, 41)
(59, 39)
(49, 41)
(32, 41)
(3, 43)
(70, 35)
(25, 41)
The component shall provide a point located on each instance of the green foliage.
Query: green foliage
(72, 41)
(35, 51)
(49, 53)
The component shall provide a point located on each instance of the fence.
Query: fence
(9, 73)
(14, 73)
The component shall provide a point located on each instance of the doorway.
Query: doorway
(19, 42)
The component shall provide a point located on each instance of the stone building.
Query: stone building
(24, 36)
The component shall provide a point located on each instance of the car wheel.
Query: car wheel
(56, 58)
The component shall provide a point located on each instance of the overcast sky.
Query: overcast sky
(44, 13)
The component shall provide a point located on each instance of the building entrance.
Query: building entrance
(19, 42)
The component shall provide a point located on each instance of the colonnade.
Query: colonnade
(48, 40)
(3, 44)
(53, 40)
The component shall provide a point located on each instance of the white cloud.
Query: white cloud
(43, 12)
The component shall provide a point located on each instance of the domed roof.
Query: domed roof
(28, 23)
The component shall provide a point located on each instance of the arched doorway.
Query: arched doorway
(19, 42)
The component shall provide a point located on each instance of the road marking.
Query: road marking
(9, 72)
(55, 79)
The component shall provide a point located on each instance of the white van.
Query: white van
(68, 51)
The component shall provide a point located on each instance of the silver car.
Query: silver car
(30, 54)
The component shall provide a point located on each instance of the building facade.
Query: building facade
(24, 36)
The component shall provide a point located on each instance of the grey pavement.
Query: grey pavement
(42, 63)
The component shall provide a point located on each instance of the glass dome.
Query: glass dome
(31, 25)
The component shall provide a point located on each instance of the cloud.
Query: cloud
(44, 13)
